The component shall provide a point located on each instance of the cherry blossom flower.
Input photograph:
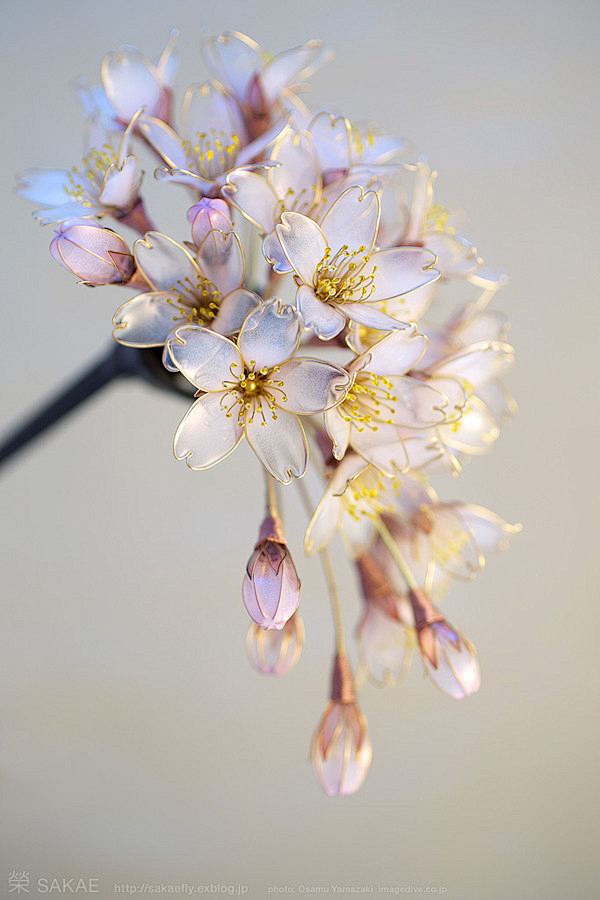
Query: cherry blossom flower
(202, 290)
(257, 389)
(340, 277)
(94, 254)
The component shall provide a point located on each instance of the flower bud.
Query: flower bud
(208, 215)
(450, 659)
(341, 749)
(93, 253)
(271, 587)
(275, 652)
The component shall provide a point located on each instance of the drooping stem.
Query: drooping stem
(395, 553)
(271, 496)
(327, 566)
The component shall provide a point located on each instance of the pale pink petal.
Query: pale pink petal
(400, 270)
(295, 180)
(130, 81)
(165, 141)
(490, 532)
(369, 315)
(501, 405)
(411, 307)
(338, 428)
(287, 66)
(323, 525)
(164, 263)
(166, 67)
(352, 222)
(234, 59)
(254, 197)
(146, 320)
(206, 358)
(454, 393)
(310, 386)
(270, 335)
(279, 441)
(452, 544)
(389, 458)
(220, 258)
(455, 254)
(273, 253)
(474, 432)
(416, 405)
(206, 435)
(479, 363)
(69, 211)
(487, 325)
(303, 243)
(234, 309)
(332, 139)
(206, 109)
(326, 321)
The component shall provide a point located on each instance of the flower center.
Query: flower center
(198, 303)
(369, 494)
(252, 394)
(337, 277)
(83, 185)
(369, 402)
(214, 153)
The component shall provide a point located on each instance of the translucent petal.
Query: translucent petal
(295, 180)
(418, 405)
(233, 311)
(338, 429)
(385, 646)
(352, 221)
(164, 263)
(422, 451)
(452, 545)
(323, 525)
(369, 315)
(270, 335)
(221, 260)
(121, 185)
(389, 458)
(490, 532)
(207, 108)
(396, 353)
(474, 432)
(286, 67)
(206, 435)
(254, 197)
(207, 359)
(279, 443)
(273, 253)
(499, 402)
(400, 270)
(165, 141)
(234, 59)
(146, 320)
(130, 81)
(456, 256)
(332, 139)
(487, 325)
(479, 363)
(411, 307)
(454, 393)
(326, 321)
(457, 672)
(303, 243)
(71, 210)
(46, 186)
(167, 65)
(310, 386)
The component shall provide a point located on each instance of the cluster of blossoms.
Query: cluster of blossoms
(326, 343)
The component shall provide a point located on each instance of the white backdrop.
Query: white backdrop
(136, 743)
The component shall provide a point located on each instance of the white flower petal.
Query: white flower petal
(46, 186)
(303, 243)
(165, 141)
(206, 435)
(326, 321)
(234, 58)
(389, 458)
(323, 525)
(164, 263)
(270, 335)
(338, 429)
(396, 353)
(400, 270)
(273, 253)
(452, 544)
(284, 68)
(411, 307)
(206, 358)
(279, 443)
(417, 405)
(455, 254)
(130, 81)
(479, 363)
(254, 197)
(310, 386)
(57, 214)
(234, 310)
(121, 184)
(474, 432)
(490, 532)
(146, 320)
(295, 180)
(332, 139)
(352, 221)
(369, 315)
(206, 109)
(220, 258)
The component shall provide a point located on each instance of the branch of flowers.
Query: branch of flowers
(327, 566)
(395, 553)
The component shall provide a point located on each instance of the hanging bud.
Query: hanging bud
(341, 749)
(271, 587)
(385, 642)
(449, 658)
(208, 215)
(275, 652)
(93, 253)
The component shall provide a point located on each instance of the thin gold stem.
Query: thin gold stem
(271, 495)
(395, 553)
(327, 566)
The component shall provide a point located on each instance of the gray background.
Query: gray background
(136, 744)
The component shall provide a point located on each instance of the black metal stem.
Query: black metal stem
(120, 361)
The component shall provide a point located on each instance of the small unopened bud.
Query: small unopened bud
(450, 659)
(93, 253)
(208, 215)
(275, 652)
(271, 587)
(341, 749)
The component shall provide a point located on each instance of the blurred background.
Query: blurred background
(137, 745)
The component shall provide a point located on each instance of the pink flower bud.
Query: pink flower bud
(341, 750)
(271, 587)
(450, 659)
(275, 652)
(208, 215)
(93, 253)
